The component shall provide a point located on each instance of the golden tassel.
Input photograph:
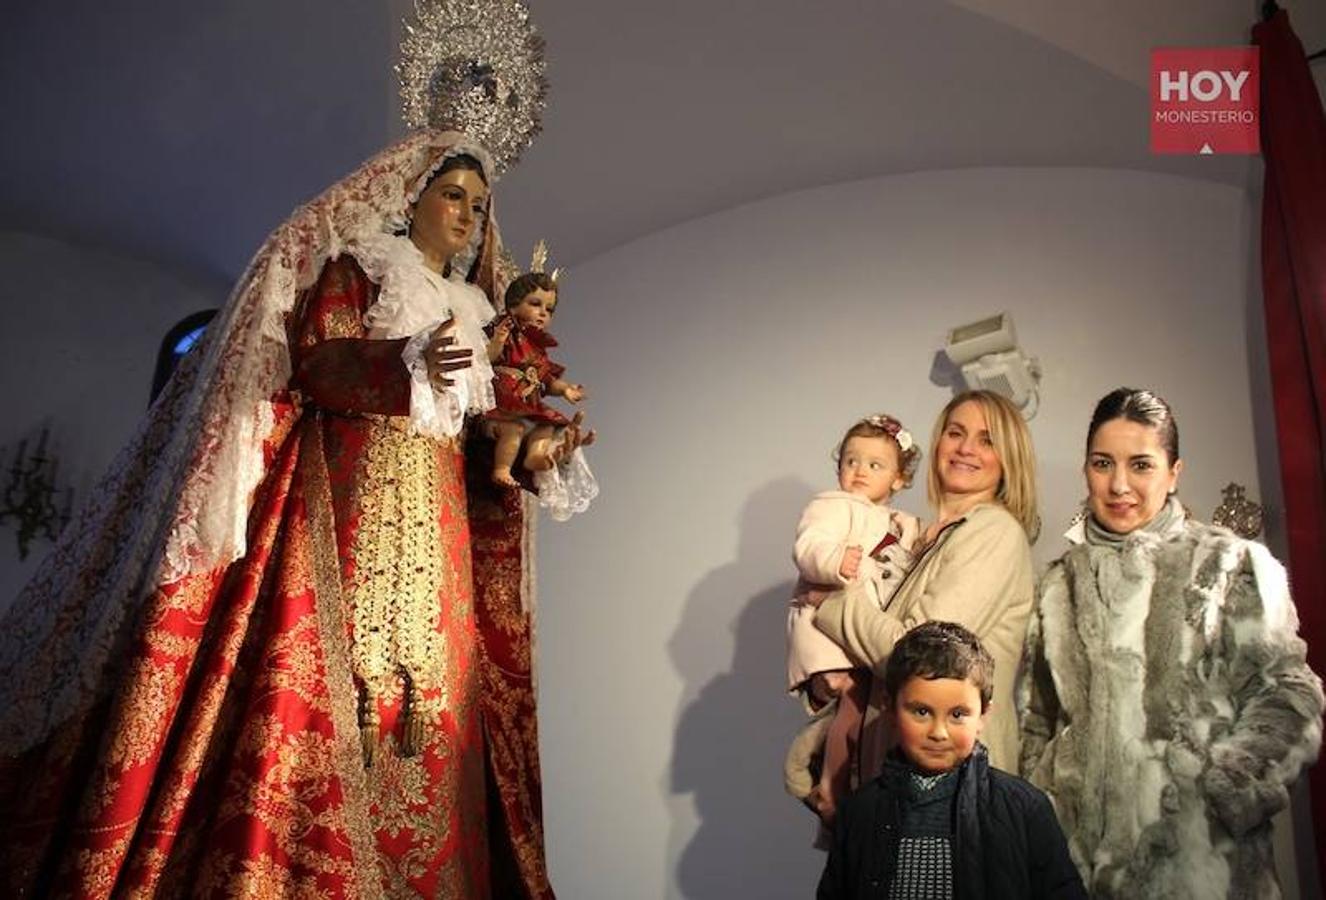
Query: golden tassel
(370, 724)
(412, 723)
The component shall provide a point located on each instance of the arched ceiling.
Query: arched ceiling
(183, 133)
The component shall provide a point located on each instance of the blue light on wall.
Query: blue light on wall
(185, 343)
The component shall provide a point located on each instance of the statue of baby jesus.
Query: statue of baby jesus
(523, 374)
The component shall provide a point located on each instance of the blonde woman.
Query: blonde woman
(974, 566)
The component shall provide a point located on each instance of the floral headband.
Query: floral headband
(911, 451)
(893, 428)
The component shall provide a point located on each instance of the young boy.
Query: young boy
(939, 822)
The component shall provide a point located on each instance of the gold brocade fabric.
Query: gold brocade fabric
(398, 651)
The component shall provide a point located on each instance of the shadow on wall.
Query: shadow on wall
(753, 839)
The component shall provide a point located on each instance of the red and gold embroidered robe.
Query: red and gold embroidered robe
(227, 759)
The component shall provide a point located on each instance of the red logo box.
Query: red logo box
(1205, 100)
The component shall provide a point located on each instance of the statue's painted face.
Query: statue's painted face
(536, 308)
(447, 213)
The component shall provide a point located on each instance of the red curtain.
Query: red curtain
(1294, 291)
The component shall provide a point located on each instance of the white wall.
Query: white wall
(724, 358)
(77, 352)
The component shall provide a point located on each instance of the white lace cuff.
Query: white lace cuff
(567, 488)
(436, 413)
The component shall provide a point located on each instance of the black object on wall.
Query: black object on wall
(182, 338)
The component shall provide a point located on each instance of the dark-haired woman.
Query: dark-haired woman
(253, 668)
(1168, 701)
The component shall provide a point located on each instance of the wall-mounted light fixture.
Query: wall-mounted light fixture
(988, 355)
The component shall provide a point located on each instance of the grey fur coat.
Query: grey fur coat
(1167, 707)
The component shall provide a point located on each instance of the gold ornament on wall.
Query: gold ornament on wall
(1236, 512)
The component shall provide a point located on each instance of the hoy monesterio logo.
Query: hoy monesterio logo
(1205, 100)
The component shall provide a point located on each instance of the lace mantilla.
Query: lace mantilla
(250, 359)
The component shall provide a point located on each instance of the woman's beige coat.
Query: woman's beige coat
(978, 573)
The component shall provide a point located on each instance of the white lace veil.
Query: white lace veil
(176, 500)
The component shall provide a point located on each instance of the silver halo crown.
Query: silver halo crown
(476, 66)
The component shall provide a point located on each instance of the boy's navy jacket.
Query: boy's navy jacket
(1006, 841)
